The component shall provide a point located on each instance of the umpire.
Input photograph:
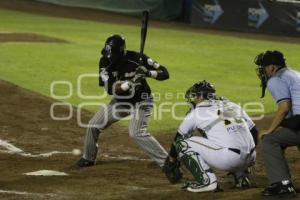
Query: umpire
(123, 73)
(284, 131)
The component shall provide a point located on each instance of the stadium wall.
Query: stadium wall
(159, 9)
(264, 16)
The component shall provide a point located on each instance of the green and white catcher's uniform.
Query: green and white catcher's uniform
(226, 142)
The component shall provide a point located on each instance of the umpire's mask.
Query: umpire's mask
(114, 48)
(264, 59)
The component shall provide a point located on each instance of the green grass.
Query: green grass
(223, 60)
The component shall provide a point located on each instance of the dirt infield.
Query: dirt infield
(28, 37)
(122, 170)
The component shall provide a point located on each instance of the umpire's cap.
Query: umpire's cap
(270, 58)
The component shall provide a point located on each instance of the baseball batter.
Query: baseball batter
(225, 143)
(123, 77)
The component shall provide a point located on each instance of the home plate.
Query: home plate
(46, 173)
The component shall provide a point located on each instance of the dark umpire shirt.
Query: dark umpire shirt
(125, 69)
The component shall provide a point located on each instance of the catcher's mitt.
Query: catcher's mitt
(172, 170)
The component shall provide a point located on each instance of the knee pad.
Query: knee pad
(181, 146)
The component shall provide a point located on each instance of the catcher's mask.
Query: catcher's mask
(203, 89)
(114, 48)
(265, 59)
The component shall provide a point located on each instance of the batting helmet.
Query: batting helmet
(115, 48)
(202, 88)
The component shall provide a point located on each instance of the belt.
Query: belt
(239, 151)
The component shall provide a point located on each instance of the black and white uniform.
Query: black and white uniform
(138, 105)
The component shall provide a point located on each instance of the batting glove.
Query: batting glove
(142, 70)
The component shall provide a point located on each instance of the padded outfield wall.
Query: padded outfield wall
(262, 16)
(159, 9)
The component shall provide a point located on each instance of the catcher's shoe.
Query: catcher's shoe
(243, 182)
(85, 163)
(197, 187)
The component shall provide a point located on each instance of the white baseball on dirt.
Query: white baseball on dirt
(76, 152)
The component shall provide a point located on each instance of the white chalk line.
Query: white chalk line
(119, 157)
(11, 149)
(35, 155)
(27, 193)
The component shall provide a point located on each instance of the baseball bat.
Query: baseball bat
(144, 28)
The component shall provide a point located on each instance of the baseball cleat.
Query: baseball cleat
(85, 163)
(280, 189)
(243, 182)
(197, 187)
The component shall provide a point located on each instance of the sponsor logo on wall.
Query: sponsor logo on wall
(257, 16)
(212, 12)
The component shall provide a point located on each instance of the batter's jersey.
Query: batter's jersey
(125, 70)
(285, 86)
(224, 123)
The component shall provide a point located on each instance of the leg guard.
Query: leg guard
(191, 161)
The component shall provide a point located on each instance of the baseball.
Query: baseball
(76, 152)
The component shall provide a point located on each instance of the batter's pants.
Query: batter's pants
(113, 112)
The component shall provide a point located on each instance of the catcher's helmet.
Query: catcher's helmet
(264, 59)
(202, 88)
(115, 48)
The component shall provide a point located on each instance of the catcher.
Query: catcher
(226, 142)
(123, 74)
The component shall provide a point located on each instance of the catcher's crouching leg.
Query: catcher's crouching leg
(191, 161)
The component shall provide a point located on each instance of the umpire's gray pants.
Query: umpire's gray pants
(273, 146)
(113, 112)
